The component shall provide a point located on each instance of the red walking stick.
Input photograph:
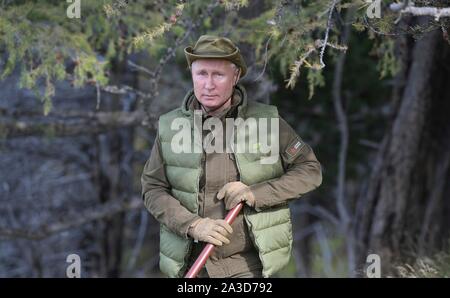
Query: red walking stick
(209, 248)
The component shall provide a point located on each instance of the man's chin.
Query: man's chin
(209, 106)
(210, 109)
(212, 104)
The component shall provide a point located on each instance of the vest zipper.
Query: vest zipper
(202, 165)
(244, 210)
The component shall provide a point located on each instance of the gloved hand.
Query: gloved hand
(209, 230)
(235, 192)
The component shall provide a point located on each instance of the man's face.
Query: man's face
(214, 80)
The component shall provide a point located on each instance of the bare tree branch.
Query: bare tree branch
(265, 60)
(72, 123)
(139, 241)
(318, 211)
(97, 88)
(343, 128)
(435, 12)
(368, 143)
(342, 204)
(95, 213)
(124, 90)
(324, 245)
(327, 31)
(141, 68)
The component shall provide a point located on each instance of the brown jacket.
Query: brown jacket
(302, 175)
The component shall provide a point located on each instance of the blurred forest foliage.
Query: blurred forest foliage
(365, 83)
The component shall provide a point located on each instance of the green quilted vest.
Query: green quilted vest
(270, 229)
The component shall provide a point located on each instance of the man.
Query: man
(190, 193)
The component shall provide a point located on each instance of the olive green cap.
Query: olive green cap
(213, 47)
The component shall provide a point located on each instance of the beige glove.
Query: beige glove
(209, 230)
(235, 192)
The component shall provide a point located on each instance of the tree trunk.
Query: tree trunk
(115, 176)
(404, 199)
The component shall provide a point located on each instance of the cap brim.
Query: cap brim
(188, 51)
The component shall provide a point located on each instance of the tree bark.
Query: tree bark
(409, 161)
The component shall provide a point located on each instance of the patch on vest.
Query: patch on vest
(294, 148)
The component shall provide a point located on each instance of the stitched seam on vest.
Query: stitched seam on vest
(272, 226)
(188, 192)
(272, 250)
(171, 258)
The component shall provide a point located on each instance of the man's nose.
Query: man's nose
(209, 83)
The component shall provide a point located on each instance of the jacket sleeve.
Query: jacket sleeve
(157, 198)
(302, 172)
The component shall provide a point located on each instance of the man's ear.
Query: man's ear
(238, 75)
